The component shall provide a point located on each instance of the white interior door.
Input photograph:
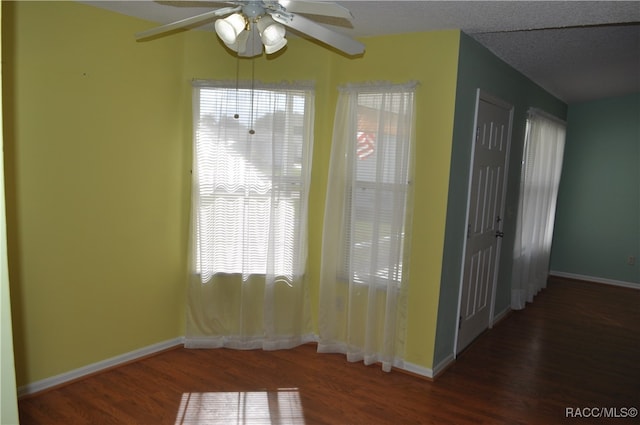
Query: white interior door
(485, 214)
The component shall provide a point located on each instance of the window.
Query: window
(376, 199)
(365, 247)
(539, 182)
(251, 173)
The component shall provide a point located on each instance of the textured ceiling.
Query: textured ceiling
(577, 50)
(575, 64)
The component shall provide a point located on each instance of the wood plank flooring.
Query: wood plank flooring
(576, 346)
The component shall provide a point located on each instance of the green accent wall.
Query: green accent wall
(597, 224)
(479, 68)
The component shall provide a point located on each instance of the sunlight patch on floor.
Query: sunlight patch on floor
(281, 406)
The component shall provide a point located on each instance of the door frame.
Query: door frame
(487, 97)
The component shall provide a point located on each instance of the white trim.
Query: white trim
(498, 317)
(426, 372)
(613, 282)
(418, 370)
(440, 367)
(53, 381)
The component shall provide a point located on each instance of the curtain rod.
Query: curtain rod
(378, 86)
(292, 85)
(544, 114)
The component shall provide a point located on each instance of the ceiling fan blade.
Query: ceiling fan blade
(186, 22)
(306, 26)
(316, 8)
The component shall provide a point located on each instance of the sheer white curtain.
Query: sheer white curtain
(251, 169)
(541, 167)
(364, 270)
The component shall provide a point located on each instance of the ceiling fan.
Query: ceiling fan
(248, 27)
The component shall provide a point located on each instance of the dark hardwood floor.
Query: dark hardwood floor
(576, 347)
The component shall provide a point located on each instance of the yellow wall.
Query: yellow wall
(432, 59)
(98, 159)
(301, 61)
(8, 393)
(95, 189)
(433, 62)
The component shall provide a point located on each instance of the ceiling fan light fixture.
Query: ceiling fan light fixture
(272, 34)
(240, 46)
(229, 28)
(272, 48)
(234, 25)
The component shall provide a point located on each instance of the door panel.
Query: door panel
(484, 218)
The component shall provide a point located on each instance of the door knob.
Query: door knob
(499, 234)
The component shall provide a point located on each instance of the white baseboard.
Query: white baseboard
(425, 371)
(596, 279)
(440, 367)
(53, 381)
(417, 370)
(498, 317)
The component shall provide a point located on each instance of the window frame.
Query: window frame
(295, 187)
(354, 184)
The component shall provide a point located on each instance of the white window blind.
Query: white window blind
(376, 201)
(251, 172)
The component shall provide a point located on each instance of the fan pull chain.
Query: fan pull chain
(237, 115)
(253, 79)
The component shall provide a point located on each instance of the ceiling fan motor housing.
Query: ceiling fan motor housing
(252, 10)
